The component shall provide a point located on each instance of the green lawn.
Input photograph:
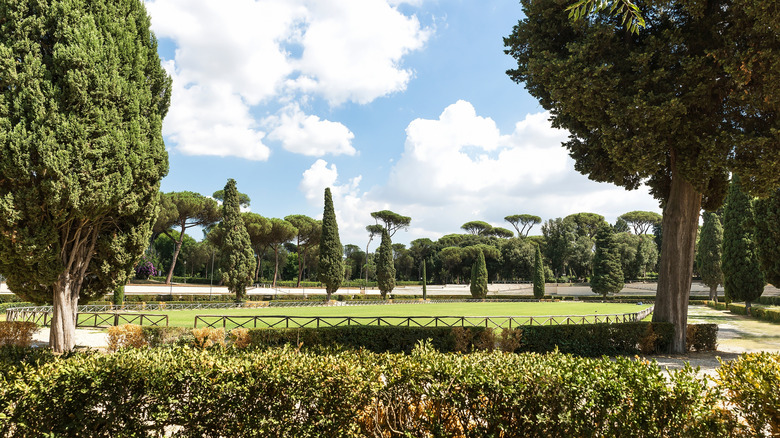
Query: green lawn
(186, 318)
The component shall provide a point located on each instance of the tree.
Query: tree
(641, 221)
(523, 223)
(479, 277)
(607, 272)
(587, 224)
(709, 254)
(742, 276)
(259, 230)
(373, 230)
(538, 274)
(501, 233)
(243, 198)
(236, 257)
(477, 228)
(392, 221)
(632, 16)
(185, 210)
(281, 232)
(331, 266)
(622, 98)
(385, 270)
(81, 150)
(767, 214)
(621, 226)
(424, 282)
(518, 258)
(559, 236)
(309, 231)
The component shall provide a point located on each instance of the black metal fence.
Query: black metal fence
(280, 321)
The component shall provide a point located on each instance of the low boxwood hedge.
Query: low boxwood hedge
(286, 392)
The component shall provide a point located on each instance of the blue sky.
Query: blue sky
(394, 105)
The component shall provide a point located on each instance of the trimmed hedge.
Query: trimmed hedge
(289, 393)
(762, 313)
(769, 300)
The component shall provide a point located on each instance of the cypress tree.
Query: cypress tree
(236, 259)
(81, 149)
(385, 268)
(607, 271)
(331, 266)
(742, 277)
(767, 214)
(710, 252)
(538, 274)
(479, 277)
(425, 282)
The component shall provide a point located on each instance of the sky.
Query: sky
(393, 104)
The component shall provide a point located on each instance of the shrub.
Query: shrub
(751, 384)
(126, 335)
(766, 314)
(17, 333)
(207, 337)
(702, 337)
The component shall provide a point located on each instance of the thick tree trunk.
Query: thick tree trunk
(714, 293)
(680, 224)
(62, 335)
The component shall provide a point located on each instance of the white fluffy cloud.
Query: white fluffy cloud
(236, 56)
(460, 167)
(310, 135)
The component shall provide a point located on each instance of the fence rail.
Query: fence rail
(282, 321)
(89, 319)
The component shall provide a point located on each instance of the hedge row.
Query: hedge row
(289, 393)
(762, 313)
(769, 300)
(580, 339)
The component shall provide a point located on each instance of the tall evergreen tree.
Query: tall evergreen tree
(236, 259)
(331, 266)
(538, 274)
(767, 214)
(607, 271)
(479, 277)
(710, 253)
(81, 149)
(742, 277)
(425, 282)
(385, 269)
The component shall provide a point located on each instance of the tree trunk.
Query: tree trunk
(300, 263)
(680, 224)
(714, 293)
(176, 249)
(62, 335)
(276, 267)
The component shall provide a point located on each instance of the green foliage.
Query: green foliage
(523, 223)
(607, 272)
(479, 277)
(751, 384)
(631, 15)
(392, 221)
(767, 217)
(331, 265)
(118, 298)
(236, 258)
(538, 275)
(742, 277)
(139, 392)
(586, 224)
(424, 282)
(81, 148)
(641, 221)
(385, 270)
(309, 231)
(710, 252)
(477, 227)
(763, 313)
(559, 235)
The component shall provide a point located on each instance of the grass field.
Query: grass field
(186, 318)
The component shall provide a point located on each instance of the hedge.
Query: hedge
(289, 393)
(763, 313)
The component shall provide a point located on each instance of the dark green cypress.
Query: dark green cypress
(385, 268)
(331, 266)
(710, 253)
(479, 277)
(237, 259)
(538, 274)
(425, 282)
(607, 270)
(742, 277)
(767, 214)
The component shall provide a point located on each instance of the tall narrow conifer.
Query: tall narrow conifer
(331, 267)
(742, 277)
(236, 259)
(425, 282)
(607, 270)
(385, 269)
(710, 252)
(538, 274)
(767, 214)
(479, 277)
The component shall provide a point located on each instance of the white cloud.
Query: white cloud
(237, 56)
(310, 135)
(460, 167)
